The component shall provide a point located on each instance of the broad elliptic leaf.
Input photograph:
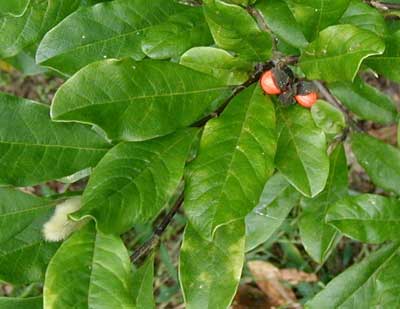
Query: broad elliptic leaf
(319, 238)
(217, 63)
(18, 32)
(21, 303)
(34, 149)
(388, 63)
(210, 271)
(142, 289)
(107, 30)
(235, 30)
(181, 32)
(380, 160)
(316, 15)
(235, 160)
(134, 181)
(368, 218)
(365, 101)
(281, 21)
(15, 8)
(340, 46)
(368, 284)
(328, 118)
(90, 270)
(364, 16)
(302, 151)
(276, 201)
(22, 240)
(137, 100)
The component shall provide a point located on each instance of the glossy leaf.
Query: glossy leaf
(34, 149)
(14, 8)
(134, 181)
(302, 152)
(21, 303)
(328, 118)
(281, 21)
(359, 287)
(365, 101)
(276, 201)
(344, 46)
(319, 238)
(316, 15)
(90, 270)
(181, 32)
(364, 16)
(217, 63)
(234, 162)
(18, 32)
(143, 285)
(368, 218)
(235, 30)
(210, 270)
(108, 30)
(137, 100)
(386, 63)
(381, 161)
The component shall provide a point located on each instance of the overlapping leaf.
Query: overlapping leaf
(302, 152)
(381, 161)
(108, 30)
(234, 162)
(328, 118)
(143, 285)
(137, 100)
(368, 218)
(235, 30)
(21, 303)
(340, 46)
(134, 181)
(90, 270)
(34, 149)
(368, 284)
(276, 201)
(210, 270)
(318, 237)
(14, 8)
(18, 32)
(365, 101)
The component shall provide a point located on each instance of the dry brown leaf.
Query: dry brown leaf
(249, 297)
(294, 276)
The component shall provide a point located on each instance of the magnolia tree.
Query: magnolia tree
(234, 112)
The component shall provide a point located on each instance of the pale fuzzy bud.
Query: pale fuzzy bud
(59, 226)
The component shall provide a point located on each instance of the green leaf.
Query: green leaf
(34, 149)
(25, 244)
(235, 160)
(143, 285)
(137, 100)
(210, 270)
(367, 218)
(328, 118)
(319, 238)
(177, 35)
(108, 30)
(15, 8)
(387, 63)
(276, 201)
(134, 181)
(217, 63)
(340, 46)
(281, 21)
(39, 17)
(365, 101)
(316, 15)
(364, 16)
(380, 160)
(302, 152)
(90, 270)
(21, 303)
(235, 30)
(358, 286)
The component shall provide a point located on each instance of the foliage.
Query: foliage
(161, 106)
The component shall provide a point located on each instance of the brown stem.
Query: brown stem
(383, 5)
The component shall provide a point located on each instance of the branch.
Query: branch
(384, 6)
